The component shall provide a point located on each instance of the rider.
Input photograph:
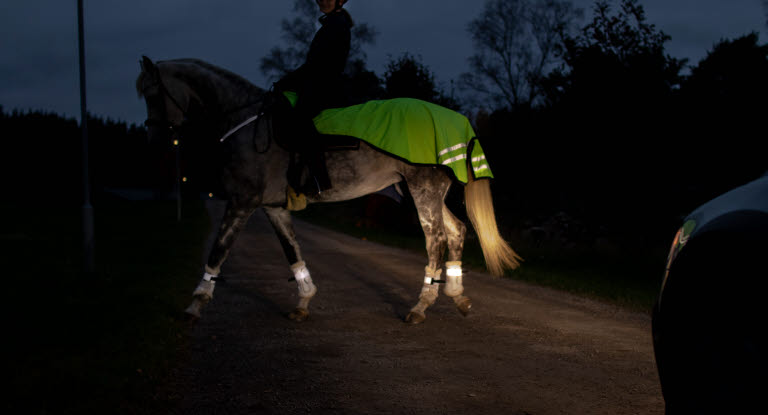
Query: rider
(318, 85)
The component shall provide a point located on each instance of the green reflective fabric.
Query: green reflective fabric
(415, 130)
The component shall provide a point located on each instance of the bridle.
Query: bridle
(163, 122)
(175, 130)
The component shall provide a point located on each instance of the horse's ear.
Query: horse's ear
(146, 64)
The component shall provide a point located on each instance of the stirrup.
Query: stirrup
(293, 201)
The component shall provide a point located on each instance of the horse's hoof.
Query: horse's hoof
(415, 317)
(299, 314)
(465, 306)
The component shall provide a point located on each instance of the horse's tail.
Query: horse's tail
(477, 195)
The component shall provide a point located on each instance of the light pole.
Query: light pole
(88, 243)
(178, 180)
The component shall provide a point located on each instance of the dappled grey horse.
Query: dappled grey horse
(255, 176)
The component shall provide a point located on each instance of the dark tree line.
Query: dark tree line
(625, 139)
(44, 157)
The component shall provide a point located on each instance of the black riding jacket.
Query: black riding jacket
(318, 81)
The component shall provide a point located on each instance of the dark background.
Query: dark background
(624, 141)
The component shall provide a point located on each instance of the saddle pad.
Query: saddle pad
(417, 131)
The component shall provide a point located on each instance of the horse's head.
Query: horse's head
(170, 101)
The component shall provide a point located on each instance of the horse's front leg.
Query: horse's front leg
(281, 221)
(235, 218)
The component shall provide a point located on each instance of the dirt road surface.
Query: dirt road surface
(523, 350)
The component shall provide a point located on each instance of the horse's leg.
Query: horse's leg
(428, 188)
(456, 230)
(235, 218)
(281, 221)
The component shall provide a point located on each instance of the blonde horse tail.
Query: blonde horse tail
(498, 254)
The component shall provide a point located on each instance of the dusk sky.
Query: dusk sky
(39, 63)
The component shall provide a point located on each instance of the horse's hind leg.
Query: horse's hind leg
(455, 230)
(235, 218)
(428, 188)
(281, 222)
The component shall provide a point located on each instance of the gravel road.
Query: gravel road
(523, 350)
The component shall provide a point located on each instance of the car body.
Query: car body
(710, 319)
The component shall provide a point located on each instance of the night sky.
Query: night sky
(39, 63)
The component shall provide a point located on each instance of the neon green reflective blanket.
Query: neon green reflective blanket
(415, 130)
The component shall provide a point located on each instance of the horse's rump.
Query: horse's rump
(416, 131)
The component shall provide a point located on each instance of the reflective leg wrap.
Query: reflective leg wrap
(454, 286)
(307, 289)
(429, 291)
(203, 293)
(205, 288)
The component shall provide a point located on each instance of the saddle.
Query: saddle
(289, 130)
(297, 134)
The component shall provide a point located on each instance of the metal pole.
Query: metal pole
(178, 180)
(88, 243)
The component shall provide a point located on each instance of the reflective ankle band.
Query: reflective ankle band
(303, 279)
(454, 285)
(209, 277)
(301, 274)
(433, 276)
(205, 287)
(453, 271)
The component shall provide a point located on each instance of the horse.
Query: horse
(181, 91)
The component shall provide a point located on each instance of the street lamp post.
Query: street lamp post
(87, 211)
(178, 180)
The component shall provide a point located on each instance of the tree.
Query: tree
(408, 77)
(732, 77)
(618, 59)
(603, 121)
(517, 42)
(361, 84)
(723, 103)
(297, 33)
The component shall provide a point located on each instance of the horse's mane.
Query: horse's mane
(205, 78)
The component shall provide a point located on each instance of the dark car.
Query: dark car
(711, 317)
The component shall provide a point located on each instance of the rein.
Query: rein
(239, 126)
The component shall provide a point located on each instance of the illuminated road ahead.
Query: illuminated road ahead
(524, 350)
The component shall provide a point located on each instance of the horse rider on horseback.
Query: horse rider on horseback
(318, 84)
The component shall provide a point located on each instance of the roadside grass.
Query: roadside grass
(90, 343)
(629, 279)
